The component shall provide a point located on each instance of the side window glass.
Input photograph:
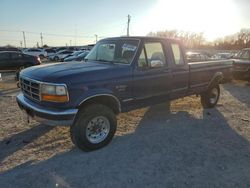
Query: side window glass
(16, 56)
(4, 56)
(155, 54)
(142, 61)
(178, 58)
(152, 56)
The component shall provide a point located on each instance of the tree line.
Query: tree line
(193, 40)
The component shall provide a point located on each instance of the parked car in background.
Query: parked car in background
(79, 57)
(222, 56)
(74, 54)
(16, 61)
(60, 49)
(60, 55)
(10, 49)
(196, 57)
(50, 51)
(241, 65)
(35, 52)
(13, 61)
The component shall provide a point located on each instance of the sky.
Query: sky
(76, 22)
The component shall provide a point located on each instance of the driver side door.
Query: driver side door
(152, 76)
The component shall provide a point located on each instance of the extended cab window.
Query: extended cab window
(178, 57)
(152, 56)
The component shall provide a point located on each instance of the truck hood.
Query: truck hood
(60, 72)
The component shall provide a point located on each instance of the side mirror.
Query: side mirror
(156, 63)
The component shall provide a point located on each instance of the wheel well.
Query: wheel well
(106, 100)
(217, 79)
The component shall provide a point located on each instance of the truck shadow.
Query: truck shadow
(240, 90)
(9, 92)
(18, 141)
(166, 149)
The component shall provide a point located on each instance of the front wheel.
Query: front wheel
(41, 56)
(210, 98)
(56, 58)
(94, 127)
(18, 72)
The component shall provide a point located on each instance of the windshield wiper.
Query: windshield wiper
(100, 60)
(103, 60)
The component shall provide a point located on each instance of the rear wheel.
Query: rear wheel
(94, 127)
(210, 98)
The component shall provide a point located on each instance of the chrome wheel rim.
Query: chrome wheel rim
(214, 95)
(97, 129)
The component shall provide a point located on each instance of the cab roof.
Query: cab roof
(142, 38)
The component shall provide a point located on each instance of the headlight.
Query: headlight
(54, 93)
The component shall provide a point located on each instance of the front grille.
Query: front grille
(30, 88)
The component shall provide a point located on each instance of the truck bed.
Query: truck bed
(202, 72)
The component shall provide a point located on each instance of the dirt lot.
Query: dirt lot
(176, 144)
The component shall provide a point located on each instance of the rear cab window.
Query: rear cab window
(177, 54)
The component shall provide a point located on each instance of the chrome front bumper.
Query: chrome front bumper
(44, 115)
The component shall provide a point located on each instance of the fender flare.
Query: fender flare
(216, 79)
(102, 95)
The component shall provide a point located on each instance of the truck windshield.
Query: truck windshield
(115, 51)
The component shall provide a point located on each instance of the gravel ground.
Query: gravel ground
(175, 144)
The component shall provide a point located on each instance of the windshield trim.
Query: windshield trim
(114, 62)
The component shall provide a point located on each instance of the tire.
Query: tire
(56, 58)
(210, 98)
(94, 127)
(18, 72)
(41, 56)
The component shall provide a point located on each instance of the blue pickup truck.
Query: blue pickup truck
(118, 75)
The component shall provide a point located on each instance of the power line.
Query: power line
(49, 34)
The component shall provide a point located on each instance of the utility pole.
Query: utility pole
(75, 35)
(24, 39)
(129, 17)
(96, 38)
(41, 40)
(21, 44)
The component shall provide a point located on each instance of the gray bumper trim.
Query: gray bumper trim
(44, 115)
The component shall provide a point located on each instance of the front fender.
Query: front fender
(95, 93)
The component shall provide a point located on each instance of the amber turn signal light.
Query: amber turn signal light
(55, 98)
